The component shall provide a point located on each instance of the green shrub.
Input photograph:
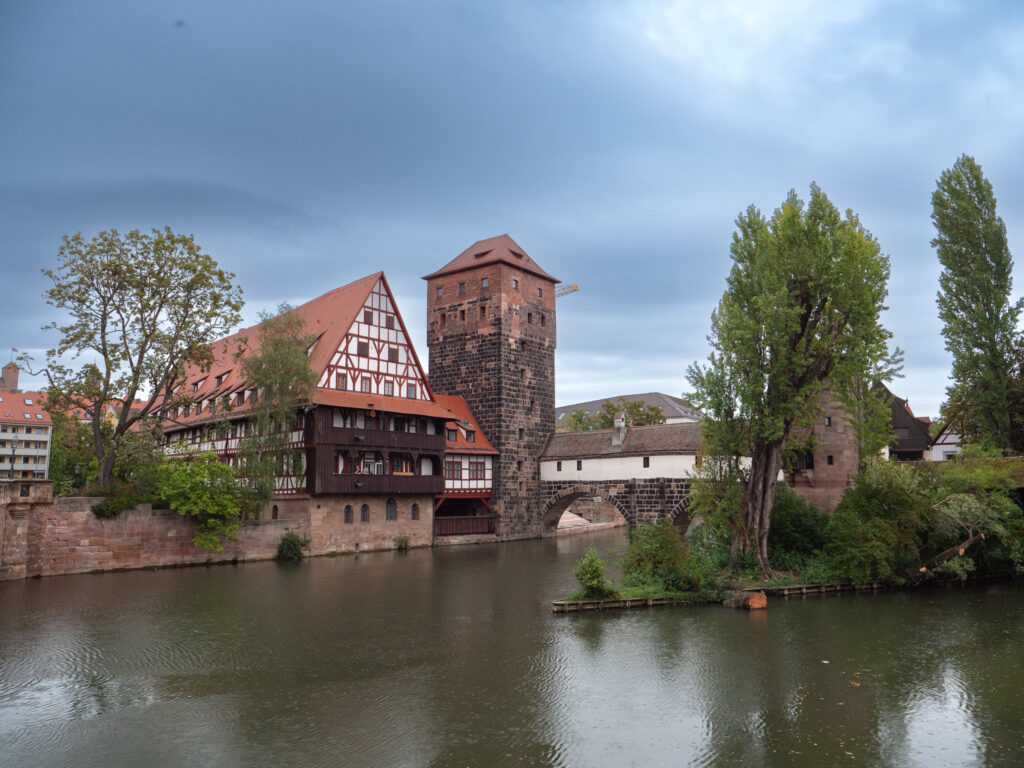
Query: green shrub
(658, 556)
(120, 499)
(797, 532)
(290, 548)
(589, 572)
(206, 490)
(401, 542)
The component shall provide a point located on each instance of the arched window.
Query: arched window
(415, 511)
(348, 513)
(364, 514)
(391, 510)
(273, 512)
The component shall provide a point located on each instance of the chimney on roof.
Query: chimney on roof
(9, 378)
(619, 433)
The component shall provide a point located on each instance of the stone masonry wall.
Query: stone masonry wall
(495, 347)
(639, 501)
(43, 536)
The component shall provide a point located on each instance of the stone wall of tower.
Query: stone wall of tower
(494, 345)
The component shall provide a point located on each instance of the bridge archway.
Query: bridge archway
(680, 516)
(562, 500)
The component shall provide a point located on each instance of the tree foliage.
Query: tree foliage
(589, 572)
(207, 490)
(140, 308)
(637, 413)
(276, 366)
(979, 320)
(801, 310)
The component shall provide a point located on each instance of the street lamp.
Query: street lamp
(14, 446)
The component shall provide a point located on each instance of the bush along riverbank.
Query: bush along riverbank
(898, 526)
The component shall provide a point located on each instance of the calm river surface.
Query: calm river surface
(452, 657)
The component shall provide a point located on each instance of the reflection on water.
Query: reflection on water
(453, 657)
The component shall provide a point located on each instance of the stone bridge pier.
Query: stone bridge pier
(639, 501)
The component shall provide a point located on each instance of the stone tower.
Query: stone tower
(491, 336)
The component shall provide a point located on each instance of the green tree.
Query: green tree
(589, 572)
(979, 320)
(71, 453)
(801, 310)
(141, 308)
(868, 411)
(207, 490)
(637, 413)
(276, 366)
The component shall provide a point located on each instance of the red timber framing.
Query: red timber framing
(375, 356)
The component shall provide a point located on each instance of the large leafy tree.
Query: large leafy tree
(800, 312)
(276, 365)
(141, 308)
(979, 320)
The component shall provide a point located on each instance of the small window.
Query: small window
(470, 436)
(515, 284)
(389, 388)
(340, 381)
(483, 283)
(542, 321)
(558, 466)
(366, 384)
(24, 490)
(363, 349)
(273, 512)
(415, 512)
(462, 289)
(483, 311)
(440, 292)
(368, 317)
(39, 416)
(522, 433)
(529, 317)
(828, 421)
(462, 314)
(348, 513)
(392, 354)
(579, 464)
(540, 293)
(410, 391)
(453, 435)
(28, 401)
(443, 318)
(390, 510)
(364, 514)
(389, 321)
(828, 460)
(519, 465)
(647, 462)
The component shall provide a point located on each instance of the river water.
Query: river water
(452, 657)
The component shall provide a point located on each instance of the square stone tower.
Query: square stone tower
(491, 336)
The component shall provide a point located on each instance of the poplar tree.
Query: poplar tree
(800, 312)
(979, 320)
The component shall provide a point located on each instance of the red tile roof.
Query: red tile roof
(682, 438)
(458, 409)
(13, 408)
(492, 251)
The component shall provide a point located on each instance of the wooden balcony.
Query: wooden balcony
(379, 440)
(457, 526)
(397, 484)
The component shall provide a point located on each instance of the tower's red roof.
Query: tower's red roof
(490, 251)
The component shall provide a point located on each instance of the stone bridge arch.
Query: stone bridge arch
(564, 497)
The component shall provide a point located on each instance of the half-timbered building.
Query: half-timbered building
(372, 439)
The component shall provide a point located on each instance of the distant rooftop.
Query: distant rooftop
(491, 251)
(674, 408)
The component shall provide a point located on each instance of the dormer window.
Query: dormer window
(470, 436)
(28, 401)
(453, 435)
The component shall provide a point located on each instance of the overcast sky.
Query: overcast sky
(307, 144)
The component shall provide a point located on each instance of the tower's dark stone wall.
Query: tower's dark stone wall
(491, 337)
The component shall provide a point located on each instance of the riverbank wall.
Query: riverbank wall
(45, 536)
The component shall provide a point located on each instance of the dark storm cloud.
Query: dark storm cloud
(309, 144)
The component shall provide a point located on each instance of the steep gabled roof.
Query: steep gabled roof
(327, 317)
(460, 414)
(493, 250)
(683, 438)
(23, 408)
